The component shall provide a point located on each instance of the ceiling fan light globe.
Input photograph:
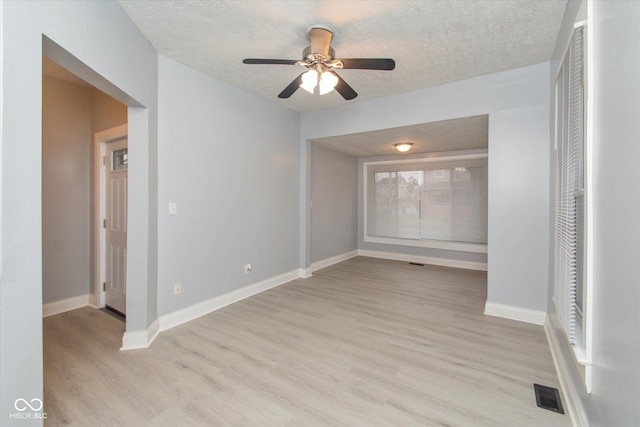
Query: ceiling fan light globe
(328, 81)
(309, 81)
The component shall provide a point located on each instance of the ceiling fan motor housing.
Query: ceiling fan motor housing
(309, 54)
(319, 57)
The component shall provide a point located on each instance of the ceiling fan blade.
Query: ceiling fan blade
(368, 64)
(343, 88)
(270, 61)
(320, 40)
(292, 88)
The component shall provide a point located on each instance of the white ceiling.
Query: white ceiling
(466, 133)
(433, 42)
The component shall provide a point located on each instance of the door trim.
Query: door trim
(101, 139)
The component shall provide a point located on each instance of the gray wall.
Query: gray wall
(66, 191)
(334, 214)
(616, 193)
(71, 115)
(124, 59)
(230, 161)
(518, 226)
(616, 297)
(616, 202)
(523, 95)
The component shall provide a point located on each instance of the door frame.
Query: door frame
(101, 139)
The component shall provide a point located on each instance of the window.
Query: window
(431, 202)
(570, 196)
(120, 159)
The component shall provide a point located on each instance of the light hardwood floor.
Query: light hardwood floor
(366, 342)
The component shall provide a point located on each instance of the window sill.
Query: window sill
(581, 355)
(480, 248)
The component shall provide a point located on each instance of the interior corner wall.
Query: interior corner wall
(123, 59)
(66, 191)
(518, 207)
(229, 160)
(334, 213)
(521, 95)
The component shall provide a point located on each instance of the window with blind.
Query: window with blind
(439, 203)
(570, 197)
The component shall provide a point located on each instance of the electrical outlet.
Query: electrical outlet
(177, 289)
(247, 268)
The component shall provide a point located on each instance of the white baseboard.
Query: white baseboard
(132, 340)
(442, 262)
(515, 313)
(93, 301)
(64, 305)
(333, 260)
(187, 314)
(305, 273)
(570, 390)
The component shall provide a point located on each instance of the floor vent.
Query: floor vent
(548, 398)
(416, 263)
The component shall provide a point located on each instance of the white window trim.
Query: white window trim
(480, 248)
(583, 352)
(587, 358)
(421, 243)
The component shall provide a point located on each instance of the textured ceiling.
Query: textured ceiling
(465, 133)
(433, 42)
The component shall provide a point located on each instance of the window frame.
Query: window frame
(421, 243)
(576, 320)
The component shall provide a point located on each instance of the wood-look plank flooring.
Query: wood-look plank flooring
(366, 342)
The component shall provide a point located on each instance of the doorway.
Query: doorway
(74, 113)
(141, 246)
(111, 198)
(116, 162)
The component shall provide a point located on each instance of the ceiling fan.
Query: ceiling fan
(319, 59)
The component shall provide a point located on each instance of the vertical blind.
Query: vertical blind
(569, 190)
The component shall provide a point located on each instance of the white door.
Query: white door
(116, 225)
